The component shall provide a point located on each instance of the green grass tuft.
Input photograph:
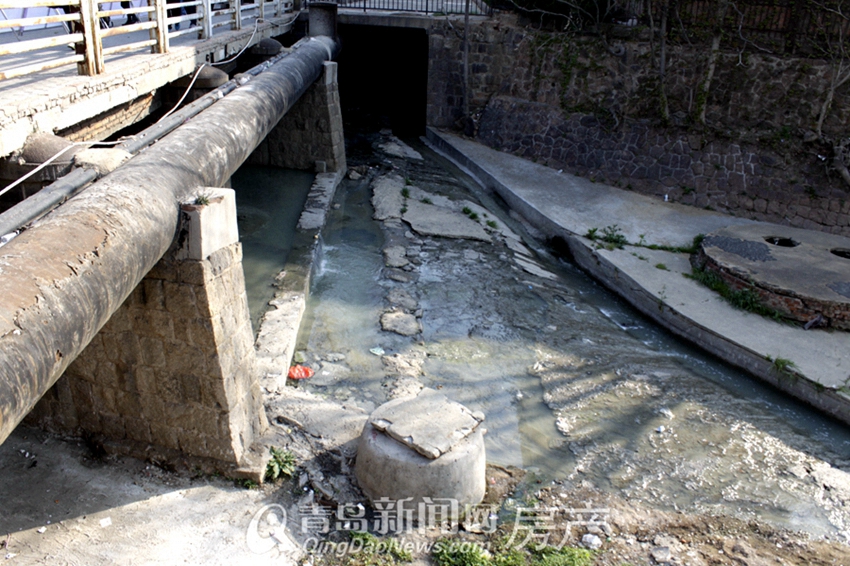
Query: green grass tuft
(782, 367)
(744, 299)
(459, 553)
(565, 556)
(611, 235)
(281, 464)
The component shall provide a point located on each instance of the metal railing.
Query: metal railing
(84, 24)
(476, 7)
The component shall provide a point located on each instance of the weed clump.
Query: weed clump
(449, 552)
(281, 464)
(611, 235)
(744, 299)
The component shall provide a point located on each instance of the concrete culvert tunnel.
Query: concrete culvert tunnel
(383, 78)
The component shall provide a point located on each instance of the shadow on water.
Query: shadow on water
(269, 202)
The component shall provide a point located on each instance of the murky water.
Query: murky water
(269, 201)
(575, 384)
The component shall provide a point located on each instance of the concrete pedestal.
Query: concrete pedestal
(171, 377)
(425, 453)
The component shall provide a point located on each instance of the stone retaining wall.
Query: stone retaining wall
(311, 133)
(591, 108)
(722, 175)
(171, 372)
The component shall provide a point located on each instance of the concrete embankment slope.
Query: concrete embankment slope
(653, 281)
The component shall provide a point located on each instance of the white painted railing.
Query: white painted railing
(87, 23)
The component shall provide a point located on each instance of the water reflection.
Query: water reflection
(269, 201)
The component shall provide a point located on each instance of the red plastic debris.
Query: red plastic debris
(300, 372)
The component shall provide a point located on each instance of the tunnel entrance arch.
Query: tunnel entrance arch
(383, 77)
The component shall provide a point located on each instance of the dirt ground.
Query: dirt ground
(638, 534)
(62, 504)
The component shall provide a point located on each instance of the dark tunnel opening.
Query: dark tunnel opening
(383, 78)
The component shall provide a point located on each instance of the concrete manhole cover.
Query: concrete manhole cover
(799, 273)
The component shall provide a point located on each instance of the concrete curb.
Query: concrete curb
(278, 332)
(677, 303)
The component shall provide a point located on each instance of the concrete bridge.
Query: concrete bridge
(136, 294)
(132, 292)
(115, 75)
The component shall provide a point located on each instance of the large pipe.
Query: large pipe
(65, 187)
(61, 280)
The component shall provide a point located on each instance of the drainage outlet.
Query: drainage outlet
(781, 242)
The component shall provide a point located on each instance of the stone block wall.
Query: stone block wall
(172, 372)
(493, 44)
(116, 119)
(310, 133)
(591, 108)
(738, 179)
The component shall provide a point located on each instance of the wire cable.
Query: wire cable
(198, 72)
(51, 160)
(176, 106)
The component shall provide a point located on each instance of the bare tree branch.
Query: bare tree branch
(835, 50)
(662, 67)
(702, 91)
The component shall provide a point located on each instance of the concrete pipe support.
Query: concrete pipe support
(61, 280)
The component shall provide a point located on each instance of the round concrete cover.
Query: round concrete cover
(804, 263)
(423, 449)
(429, 423)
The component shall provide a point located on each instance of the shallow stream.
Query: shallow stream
(576, 385)
(269, 201)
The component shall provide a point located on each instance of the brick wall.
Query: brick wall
(104, 125)
(172, 372)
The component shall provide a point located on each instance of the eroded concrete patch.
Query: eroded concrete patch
(431, 220)
(429, 423)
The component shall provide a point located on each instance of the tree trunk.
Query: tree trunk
(662, 68)
(467, 122)
(842, 74)
(651, 30)
(839, 158)
(714, 54)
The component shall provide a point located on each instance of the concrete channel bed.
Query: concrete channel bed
(813, 365)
